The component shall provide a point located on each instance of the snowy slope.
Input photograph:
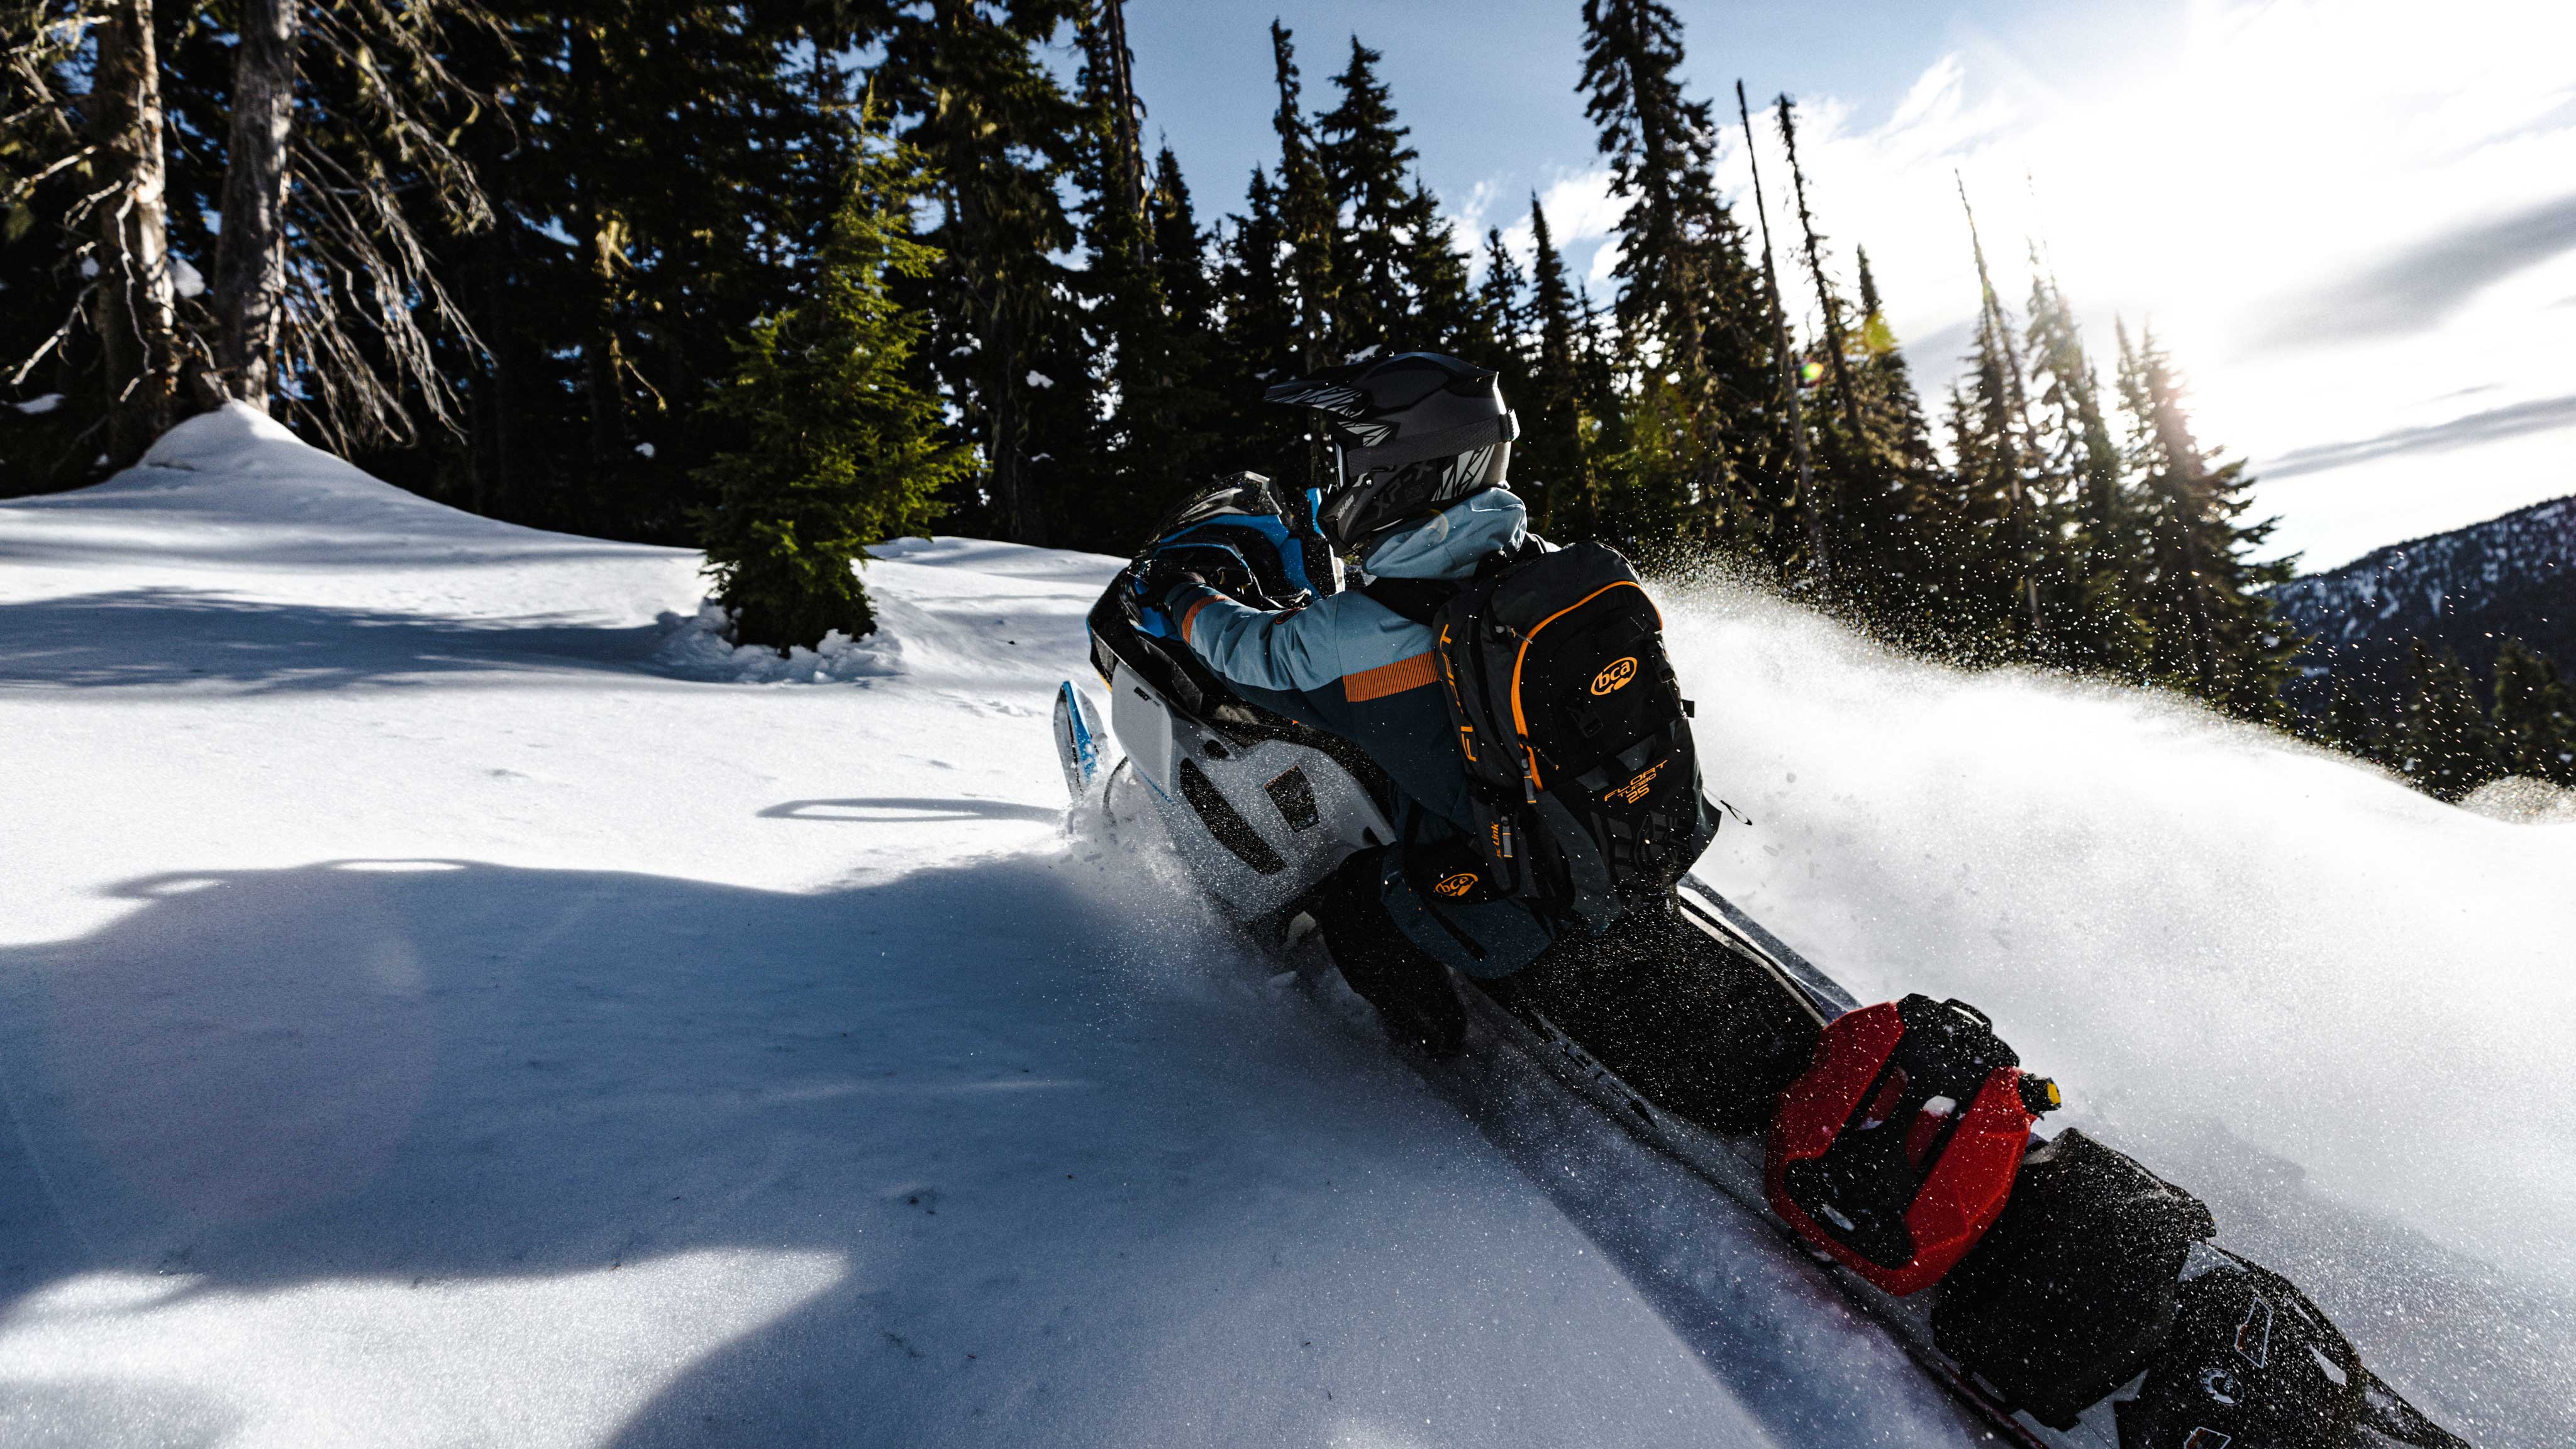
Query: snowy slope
(2338, 1009)
(2466, 591)
(442, 1002)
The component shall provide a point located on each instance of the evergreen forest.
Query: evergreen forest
(783, 280)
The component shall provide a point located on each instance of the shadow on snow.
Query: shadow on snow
(165, 636)
(1089, 1187)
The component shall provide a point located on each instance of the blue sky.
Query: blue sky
(1489, 90)
(2353, 221)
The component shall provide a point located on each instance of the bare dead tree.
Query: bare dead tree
(108, 145)
(250, 253)
(340, 167)
(42, 140)
(1817, 563)
(326, 311)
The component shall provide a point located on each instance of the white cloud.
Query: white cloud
(1581, 215)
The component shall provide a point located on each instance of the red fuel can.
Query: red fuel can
(1897, 1148)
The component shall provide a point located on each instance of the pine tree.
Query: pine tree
(846, 447)
(2443, 743)
(2356, 722)
(1891, 411)
(1701, 438)
(49, 173)
(128, 126)
(1848, 469)
(585, 403)
(1995, 581)
(1000, 135)
(1662, 151)
(1180, 246)
(1499, 330)
(1501, 321)
(1898, 527)
(2072, 428)
(2094, 626)
(138, 324)
(250, 264)
(1442, 309)
(1149, 411)
(1363, 156)
(1185, 436)
(2535, 717)
(1603, 423)
(1308, 218)
(2202, 599)
(1813, 517)
(1548, 461)
(1307, 222)
(1261, 341)
(340, 176)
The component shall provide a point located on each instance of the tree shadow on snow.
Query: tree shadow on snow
(165, 636)
(1075, 1184)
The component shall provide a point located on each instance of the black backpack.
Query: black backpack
(1576, 738)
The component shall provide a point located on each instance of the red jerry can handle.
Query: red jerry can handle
(1897, 1148)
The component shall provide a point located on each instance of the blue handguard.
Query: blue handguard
(1245, 542)
(1160, 572)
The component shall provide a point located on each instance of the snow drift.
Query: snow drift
(2335, 1007)
(448, 995)
(440, 1003)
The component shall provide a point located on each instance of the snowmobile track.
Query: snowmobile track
(1733, 1166)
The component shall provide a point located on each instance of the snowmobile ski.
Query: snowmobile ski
(1077, 740)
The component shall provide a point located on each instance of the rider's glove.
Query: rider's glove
(1169, 570)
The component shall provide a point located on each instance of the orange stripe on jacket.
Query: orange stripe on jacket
(1191, 614)
(1388, 679)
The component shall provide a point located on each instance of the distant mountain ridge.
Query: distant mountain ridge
(2467, 591)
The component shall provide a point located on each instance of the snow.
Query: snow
(449, 994)
(441, 1004)
(2336, 1008)
(37, 406)
(2515, 798)
(185, 279)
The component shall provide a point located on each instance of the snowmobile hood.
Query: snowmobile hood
(1450, 543)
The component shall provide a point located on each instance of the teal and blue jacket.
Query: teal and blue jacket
(1348, 664)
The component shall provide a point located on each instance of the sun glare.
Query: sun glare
(2335, 215)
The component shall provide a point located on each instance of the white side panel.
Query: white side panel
(1335, 818)
(1143, 724)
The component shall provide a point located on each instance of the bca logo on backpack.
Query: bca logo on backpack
(1576, 737)
(1619, 672)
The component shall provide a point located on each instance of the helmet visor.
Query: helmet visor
(1386, 497)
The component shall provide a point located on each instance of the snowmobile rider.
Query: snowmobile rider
(1424, 443)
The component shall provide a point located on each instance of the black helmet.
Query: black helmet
(1411, 435)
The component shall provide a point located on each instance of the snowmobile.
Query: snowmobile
(2055, 1286)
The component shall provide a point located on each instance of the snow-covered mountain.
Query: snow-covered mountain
(2466, 591)
(447, 996)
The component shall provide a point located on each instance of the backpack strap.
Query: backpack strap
(1416, 599)
(1421, 599)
